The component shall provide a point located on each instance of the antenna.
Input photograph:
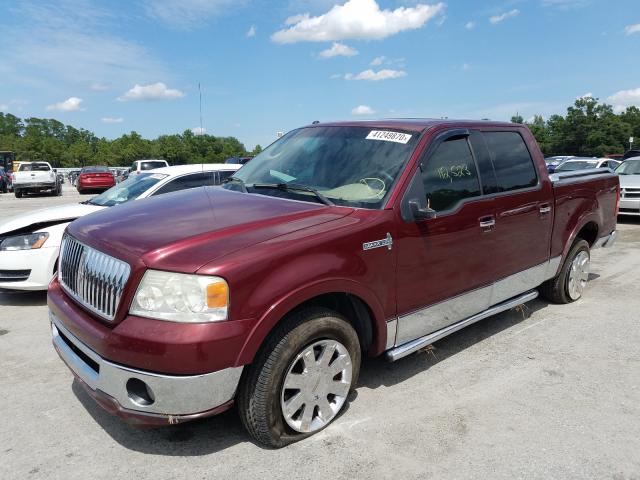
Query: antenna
(200, 94)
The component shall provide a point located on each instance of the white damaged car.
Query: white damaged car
(30, 243)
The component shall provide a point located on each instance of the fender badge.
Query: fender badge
(385, 242)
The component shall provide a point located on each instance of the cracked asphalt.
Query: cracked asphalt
(544, 392)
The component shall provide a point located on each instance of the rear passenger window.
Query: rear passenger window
(450, 175)
(511, 161)
(224, 174)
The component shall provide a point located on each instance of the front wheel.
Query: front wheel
(17, 193)
(569, 284)
(301, 379)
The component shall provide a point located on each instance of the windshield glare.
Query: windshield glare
(629, 167)
(345, 164)
(151, 165)
(130, 189)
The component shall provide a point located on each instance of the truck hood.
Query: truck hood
(47, 216)
(185, 230)
(629, 181)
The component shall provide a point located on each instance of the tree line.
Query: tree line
(66, 146)
(589, 128)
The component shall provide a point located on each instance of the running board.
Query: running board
(414, 345)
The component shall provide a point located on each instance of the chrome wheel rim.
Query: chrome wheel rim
(578, 275)
(316, 385)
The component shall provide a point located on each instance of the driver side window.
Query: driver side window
(449, 175)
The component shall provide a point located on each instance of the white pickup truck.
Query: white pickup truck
(36, 177)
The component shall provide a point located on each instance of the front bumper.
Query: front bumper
(629, 206)
(40, 262)
(144, 397)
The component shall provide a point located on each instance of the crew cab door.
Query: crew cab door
(524, 216)
(446, 264)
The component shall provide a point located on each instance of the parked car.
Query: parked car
(338, 240)
(631, 154)
(30, 243)
(238, 160)
(5, 181)
(94, 178)
(579, 163)
(140, 166)
(555, 162)
(36, 177)
(615, 156)
(629, 173)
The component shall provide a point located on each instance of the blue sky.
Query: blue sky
(117, 66)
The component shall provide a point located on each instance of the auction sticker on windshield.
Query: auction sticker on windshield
(387, 136)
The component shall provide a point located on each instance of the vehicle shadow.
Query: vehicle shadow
(629, 220)
(376, 372)
(17, 298)
(192, 439)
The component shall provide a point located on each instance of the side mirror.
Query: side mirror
(420, 214)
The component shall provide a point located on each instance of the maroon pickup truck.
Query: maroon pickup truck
(337, 241)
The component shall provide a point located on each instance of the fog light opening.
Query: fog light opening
(140, 393)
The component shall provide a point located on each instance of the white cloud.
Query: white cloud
(154, 91)
(112, 119)
(585, 96)
(338, 49)
(625, 98)
(363, 110)
(199, 130)
(356, 19)
(466, 66)
(252, 31)
(373, 76)
(470, 25)
(503, 16)
(335, 76)
(376, 62)
(188, 14)
(71, 104)
(4, 107)
(631, 29)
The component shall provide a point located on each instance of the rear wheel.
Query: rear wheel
(300, 381)
(569, 284)
(17, 193)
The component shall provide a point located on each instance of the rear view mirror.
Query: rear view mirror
(420, 214)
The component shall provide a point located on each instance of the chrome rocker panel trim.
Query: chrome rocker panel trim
(415, 345)
(606, 241)
(174, 395)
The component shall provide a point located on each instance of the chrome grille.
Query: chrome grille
(92, 278)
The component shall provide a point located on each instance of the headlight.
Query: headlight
(179, 297)
(24, 242)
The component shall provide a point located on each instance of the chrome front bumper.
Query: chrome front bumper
(606, 241)
(140, 391)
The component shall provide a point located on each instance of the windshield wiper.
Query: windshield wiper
(294, 186)
(88, 202)
(238, 181)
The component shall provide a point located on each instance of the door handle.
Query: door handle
(544, 209)
(487, 223)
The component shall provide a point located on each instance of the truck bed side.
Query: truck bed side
(585, 204)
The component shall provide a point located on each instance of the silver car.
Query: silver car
(629, 174)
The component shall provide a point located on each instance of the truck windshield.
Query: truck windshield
(629, 167)
(130, 189)
(353, 166)
(34, 167)
(571, 166)
(152, 165)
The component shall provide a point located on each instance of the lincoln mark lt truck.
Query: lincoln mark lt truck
(337, 241)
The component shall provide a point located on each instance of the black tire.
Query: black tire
(556, 290)
(80, 191)
(17, 193)
(258, 396)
